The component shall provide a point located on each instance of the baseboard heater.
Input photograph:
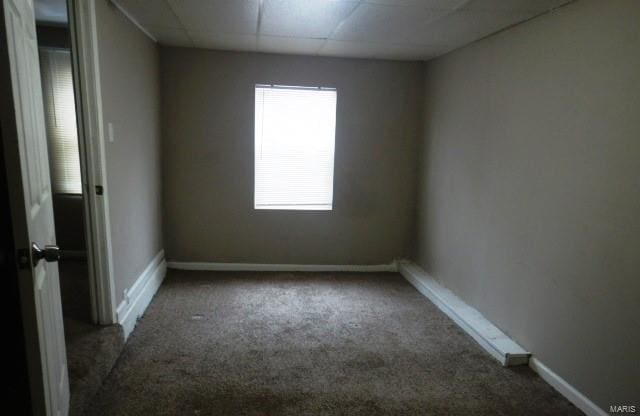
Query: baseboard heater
(494, 341)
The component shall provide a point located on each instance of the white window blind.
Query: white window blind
(60, 112)
(294, 147)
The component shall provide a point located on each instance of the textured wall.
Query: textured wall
(208, 143)
(530, 192)
(129, 70)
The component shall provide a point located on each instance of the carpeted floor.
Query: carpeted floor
(309, 344)
(92, 350)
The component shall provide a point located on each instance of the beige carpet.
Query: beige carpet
(309, 344)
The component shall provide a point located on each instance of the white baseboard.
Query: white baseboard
(567, 390)
(494, 341)
(139, 295)
(252, 267)
(498, 344)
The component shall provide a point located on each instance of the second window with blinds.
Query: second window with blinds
(294, 147)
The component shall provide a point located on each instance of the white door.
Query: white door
(24, 140)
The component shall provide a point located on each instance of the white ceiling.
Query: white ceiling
(385, 29)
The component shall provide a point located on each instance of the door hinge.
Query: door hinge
(99, 190)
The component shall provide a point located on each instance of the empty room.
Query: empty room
(321, 207)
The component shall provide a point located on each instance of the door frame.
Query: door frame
(93, 166)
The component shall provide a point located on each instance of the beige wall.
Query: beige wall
(129, 70)
(208, 136)
(530, 192)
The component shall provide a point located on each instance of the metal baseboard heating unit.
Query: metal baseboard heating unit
(494, 341)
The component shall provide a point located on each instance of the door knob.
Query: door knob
(49, 253)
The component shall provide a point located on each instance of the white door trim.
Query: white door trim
(84, 40)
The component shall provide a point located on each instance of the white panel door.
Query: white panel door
(24, 140)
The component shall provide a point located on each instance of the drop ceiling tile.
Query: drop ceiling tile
(425, 4)
(224, 41)
(303, 18)
(386, 24)
(170, 36)
(217, 16)
(379, 50)
(281, 44)
(158, 14)
(536, 6)
(462, 27)
(386, 29)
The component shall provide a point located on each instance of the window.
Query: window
(294, 147)
(60, 113)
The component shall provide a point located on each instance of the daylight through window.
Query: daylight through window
(294, 147)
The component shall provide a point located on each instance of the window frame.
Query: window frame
(292, 206)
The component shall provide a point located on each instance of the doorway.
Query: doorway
(87, 337)
(92, 345)
(54, 49)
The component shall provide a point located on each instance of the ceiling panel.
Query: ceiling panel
(386, 29)
(386, 24)
(427, 4)
(463, 27)
(303, 18)
(217, 16)
(158, 15)
(535, 6)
